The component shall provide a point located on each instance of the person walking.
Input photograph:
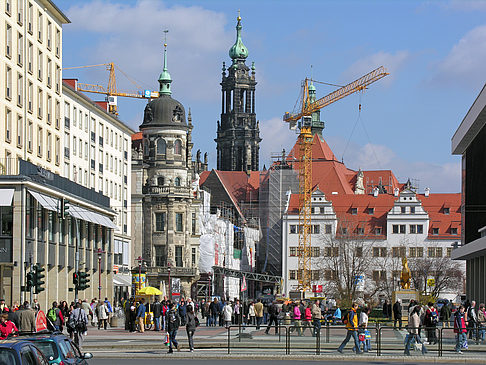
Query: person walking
(307, 320)
(364, 336)
(431, 320)
(78, 322)
(413, 331)
(213, 310)
(7, 327)
(259, 313)
(182, 311)
(297, 315)
(351, 322)
(227, 314)
(141, 316)
(397, 314)
(26, 318)
(460, 329)
(55, 316)
(482, 322)
(103, 314)
(316, 318)
(191, 324)
(445, 315)
(472, 320)
(173, 323)
(273, 317)
(132, 315)
(157, 311)
(251, 314)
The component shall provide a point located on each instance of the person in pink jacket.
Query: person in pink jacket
(297, 319)
(307, 320)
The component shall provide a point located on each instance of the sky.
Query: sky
(433, 51)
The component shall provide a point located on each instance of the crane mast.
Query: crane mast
(305, 139)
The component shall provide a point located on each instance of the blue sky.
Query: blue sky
(433, 50)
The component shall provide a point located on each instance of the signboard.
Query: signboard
(116, 268)
(40, 322)
(135, 282)
(317, 288)
(175, 286)
(360, 282)
(146, 94)
(431, 282)
(243, 284)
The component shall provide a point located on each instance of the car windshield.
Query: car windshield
(7, 357)
(48, 348)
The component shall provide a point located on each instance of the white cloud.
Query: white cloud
(444, 177)
(465, 5)
(276, 136)
(464, 64)
(132, 37)
(391, 61)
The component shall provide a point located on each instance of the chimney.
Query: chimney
(396, 191)
(375, 192)
(427, 192)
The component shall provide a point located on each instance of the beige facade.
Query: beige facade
(30, 75)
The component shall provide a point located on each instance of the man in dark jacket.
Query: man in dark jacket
(397, 314)
(182, 312)
(273, 313)
(173, 322)
(141, 316)
(157, 311)
(26, 318)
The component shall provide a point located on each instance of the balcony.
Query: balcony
(166, 190)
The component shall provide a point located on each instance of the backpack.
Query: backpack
(173, 318)
(51, 314)
(345, 317)
(434, 317)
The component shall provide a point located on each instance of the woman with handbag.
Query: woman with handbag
(191, 323)
(413, 329)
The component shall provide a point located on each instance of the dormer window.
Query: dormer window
(412, 210)
(371, 211)
(435, 231)
(354, 211)
(402, 209)
(447, 210)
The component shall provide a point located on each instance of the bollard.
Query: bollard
(440, 342)
(229, 339)
(327, 332)
(378, 340)
(318, 342)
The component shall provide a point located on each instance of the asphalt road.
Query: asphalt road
(246, 362)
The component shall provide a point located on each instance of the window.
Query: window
(20, 90)
(344, 231)
(360, 230)
(20, 131)
(20, 49)
(80, 149)
(398, 228)
(194, 256)
(402, 210)
(20, 12)
(354, 211)
(8, 7)
(30, 56)
(8, 125)
(49, 72)
(160, 222)
(40, 65)
(177, 181)
(30, 96)
(58, 42)
(8, 41)
(193, 223)
(435, 231)
(316, 229)
(448, 251)
(315, 251)
(39, 141)
(359, 252)
(379, 275)
(399, 252)
(416, 251)
(435, 252)
(178, 147)
(40, 103)
(8, 83)
(161, 146)
(49, 146)
(412, 210)
(293, 228)
(371, 211)
(179, 225)
(57, 150)
(379, 251)
(314, 275)
(328, 228)
(293, 251)
(330, 274)
(75, 145)
(293, 274)
(58, 114)
(378, 231)
(30, 27)
(40, 26)
(49, 35)
(178, 256)
(331, 251)
(446, 210)
(49, 109)
(58, 79)
(454, 231)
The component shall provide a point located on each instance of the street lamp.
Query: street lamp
(99, 252)
(170, 284)
(140, 261)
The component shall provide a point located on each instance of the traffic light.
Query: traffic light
(83, 280)
(64, 208)
(38, 276)
(30, 281)
(75, 279)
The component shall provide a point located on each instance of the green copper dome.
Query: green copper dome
(238, 50)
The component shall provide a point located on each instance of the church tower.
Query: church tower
(238, 135)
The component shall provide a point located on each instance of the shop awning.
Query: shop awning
(90, 216)
(6, 196)
(122, 280)
(48, 202)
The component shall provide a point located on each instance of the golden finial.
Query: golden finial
(239, 17)
(165, 37)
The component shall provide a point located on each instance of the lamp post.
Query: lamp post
(170, 284)
(140, 261)
(99, 252)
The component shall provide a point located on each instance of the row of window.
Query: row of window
(41, 31)
(414, 252)
(315, 229)
(418, 229)
(161, 256)
(161, 147)
(161, 181)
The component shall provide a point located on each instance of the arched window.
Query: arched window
(161, 147)
(160, 181)
(177, 181)
(178, 147)
(145, 147)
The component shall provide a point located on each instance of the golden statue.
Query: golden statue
(405, 276)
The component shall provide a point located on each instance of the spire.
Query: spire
(164, 78)
(238, 50)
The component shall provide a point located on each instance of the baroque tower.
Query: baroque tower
(238, 135)
(169, 206)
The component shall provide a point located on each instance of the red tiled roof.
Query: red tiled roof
(203, 176)
(434, 205)
(137, 136)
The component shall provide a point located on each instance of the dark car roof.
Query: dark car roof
(13, 342)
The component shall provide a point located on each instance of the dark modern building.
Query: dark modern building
(238, 139)
(469, 141)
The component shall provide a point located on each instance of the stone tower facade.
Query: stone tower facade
(167, 236)
(238, 135)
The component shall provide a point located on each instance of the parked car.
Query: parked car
(20, 352)
(59, 349)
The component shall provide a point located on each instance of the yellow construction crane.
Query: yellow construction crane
(111, 91)
(307, 106)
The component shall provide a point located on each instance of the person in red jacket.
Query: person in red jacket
(460, 329)
(6, 327)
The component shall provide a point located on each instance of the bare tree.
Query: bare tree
(346, 257)
(392, 266)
